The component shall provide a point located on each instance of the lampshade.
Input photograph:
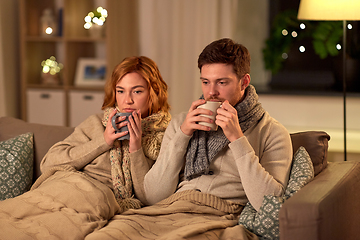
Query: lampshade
(329, 10)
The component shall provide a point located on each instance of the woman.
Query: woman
(90, 176)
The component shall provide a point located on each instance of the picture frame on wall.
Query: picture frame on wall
(90, 72)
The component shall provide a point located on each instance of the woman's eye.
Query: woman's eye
(119, 91)
(138, 92)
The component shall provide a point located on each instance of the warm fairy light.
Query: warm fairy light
(48, 30)
(97, 17)
(51, 66)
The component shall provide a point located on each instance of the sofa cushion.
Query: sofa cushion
(44, 136)
(316, 144)
(16, 165)
(265, 223)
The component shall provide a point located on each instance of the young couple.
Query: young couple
(172, 179)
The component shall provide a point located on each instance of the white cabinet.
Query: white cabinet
(83, 104)
(46, 106)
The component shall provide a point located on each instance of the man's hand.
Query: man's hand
(228, 120)
(192, 118)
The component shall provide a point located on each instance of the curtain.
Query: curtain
(2, 77)
(173, 34)
(9, 65)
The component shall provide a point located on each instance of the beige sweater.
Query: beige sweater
(247, 169)
(86, 150)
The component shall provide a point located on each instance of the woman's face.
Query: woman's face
(132, 94)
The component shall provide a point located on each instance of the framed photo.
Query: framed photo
(90, 72)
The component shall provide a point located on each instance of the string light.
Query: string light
(97, 17)
(51, 66)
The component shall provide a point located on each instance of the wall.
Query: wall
(319, 113)
(9, 59)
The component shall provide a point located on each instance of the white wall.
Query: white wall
(318, 113)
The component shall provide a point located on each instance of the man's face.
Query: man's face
(220, 83)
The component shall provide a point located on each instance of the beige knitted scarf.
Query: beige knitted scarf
(153, 128)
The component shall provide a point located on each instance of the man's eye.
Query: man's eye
(205, 82)
(222, 82)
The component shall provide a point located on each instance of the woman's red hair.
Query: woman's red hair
(148, 69)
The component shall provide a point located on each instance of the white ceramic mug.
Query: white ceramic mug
(213, 106)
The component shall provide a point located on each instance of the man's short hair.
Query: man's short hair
(226, 51)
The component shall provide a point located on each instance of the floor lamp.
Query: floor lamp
(333, 10)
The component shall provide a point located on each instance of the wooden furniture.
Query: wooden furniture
(60, 104)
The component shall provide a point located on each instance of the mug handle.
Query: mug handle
(113, 119)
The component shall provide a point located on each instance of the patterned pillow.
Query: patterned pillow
(265, 223)
(16, 165)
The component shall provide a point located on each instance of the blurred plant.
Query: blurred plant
(287, 29)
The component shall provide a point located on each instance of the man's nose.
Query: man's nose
(213, 90)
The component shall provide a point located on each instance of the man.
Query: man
(202, 178)
(249, 156)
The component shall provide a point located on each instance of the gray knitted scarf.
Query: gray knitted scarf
(204, 145)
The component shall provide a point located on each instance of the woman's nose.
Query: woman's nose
(128, 99)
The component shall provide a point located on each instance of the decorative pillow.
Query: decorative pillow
(16, 165)
(265, 223)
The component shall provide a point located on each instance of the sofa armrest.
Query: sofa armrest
(326, 208)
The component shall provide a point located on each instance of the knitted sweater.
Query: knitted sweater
(86, 150)
(255, 165)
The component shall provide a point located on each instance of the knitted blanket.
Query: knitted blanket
(62, 204)
(184, 215)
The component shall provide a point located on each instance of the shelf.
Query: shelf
(85, 39)
(118, 40)
(43, 39)
(44, 86)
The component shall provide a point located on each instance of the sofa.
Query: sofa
(326, 208)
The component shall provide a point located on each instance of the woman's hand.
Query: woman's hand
(109, 133)
(190, 123)
(135, 131)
